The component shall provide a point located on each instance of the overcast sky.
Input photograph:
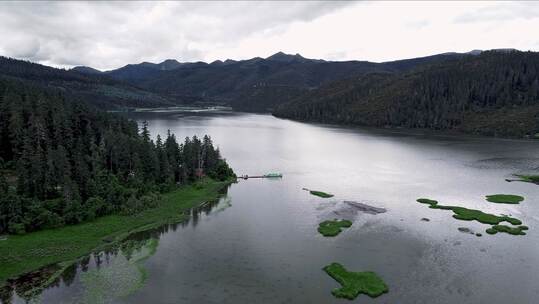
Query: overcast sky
(108, 35)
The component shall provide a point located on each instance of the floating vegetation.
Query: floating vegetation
(532, 178)
(466, 214)
(461, 213)
(319, 193)
(511, 230)
(427, 201)
(123, 276)
(333, 228)
(354, 283)
(504, 198)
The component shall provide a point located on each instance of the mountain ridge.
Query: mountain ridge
(256, 84)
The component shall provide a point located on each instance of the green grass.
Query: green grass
(427, 201)
(333, 228)
(321, 194)
(528, 178)
(504, 198)
(511, 230)
(465, 214)
(24, 253)
(354, 283)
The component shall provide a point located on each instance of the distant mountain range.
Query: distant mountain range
(257, 84)
(482, 92)
(84, 84)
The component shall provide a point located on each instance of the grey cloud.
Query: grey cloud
(111, 34)
(502, 11)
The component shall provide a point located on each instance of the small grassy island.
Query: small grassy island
(511, 230)
(354, 283)
(528, 178)
(466, 214)
(319, 193)
(504, 198)
(333, 228)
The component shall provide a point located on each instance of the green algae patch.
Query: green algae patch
(333, 228)
(319, 193)
(504, 198)
(528, 178)
(511, 230)
(354, 283)
(427, 201)
(465, 214)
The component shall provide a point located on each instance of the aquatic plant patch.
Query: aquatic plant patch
(466, 214)
(511, 230)
(333, 228)
(319, 193)
(528, 178)
(354, 283)
(504, 198)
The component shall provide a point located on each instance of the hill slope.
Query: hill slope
(494, 93)
(257, 84)
(83, 83)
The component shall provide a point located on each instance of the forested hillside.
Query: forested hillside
(257, 84)
(63, 162)
(494, 93)
(86, 85)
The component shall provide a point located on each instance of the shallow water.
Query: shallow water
(260, 242)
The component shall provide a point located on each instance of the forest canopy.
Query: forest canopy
(495, 93)
(63, 162)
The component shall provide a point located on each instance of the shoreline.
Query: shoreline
(445, 133)
(24, 254)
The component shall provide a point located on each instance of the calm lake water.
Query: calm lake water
(259, 243)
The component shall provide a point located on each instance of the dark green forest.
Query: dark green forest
(253, 85)
(95, 89)
(63, 162)
(495, 93)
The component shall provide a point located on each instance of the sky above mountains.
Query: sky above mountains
(108, 35)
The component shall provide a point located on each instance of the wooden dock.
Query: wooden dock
(260, 176)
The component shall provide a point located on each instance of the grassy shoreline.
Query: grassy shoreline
(21, 254)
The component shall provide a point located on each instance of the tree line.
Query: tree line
(63, 162)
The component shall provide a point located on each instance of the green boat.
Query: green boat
(273, 175)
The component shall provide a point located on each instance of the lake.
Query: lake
(259, 242)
